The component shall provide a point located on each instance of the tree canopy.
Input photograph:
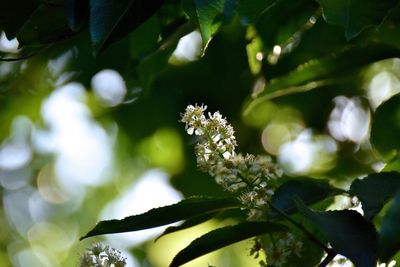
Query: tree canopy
(272, 124)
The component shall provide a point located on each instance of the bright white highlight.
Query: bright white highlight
(383, 85)
(349, 120)
(304, 153)
(8, 46)
(16, 151)
(188, 48)
(152, 190)
(82, 148)
(109, 87)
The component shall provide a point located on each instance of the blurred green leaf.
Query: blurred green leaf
(182, 210)
(189, 223)
(47, 24)
(375, 190)
(348, 233)
(282, 21)
(222, 237)
(308, 190)
(112, 20)
(355, 15)
(250, 10)
(77, 13)
(326, 71)
(385, 129)
(389, 235)
(144, 38)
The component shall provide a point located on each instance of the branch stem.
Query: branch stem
(309, 235)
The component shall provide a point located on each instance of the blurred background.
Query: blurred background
(88, 138)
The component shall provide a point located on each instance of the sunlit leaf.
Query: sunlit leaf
(307, 189)
(329, 70)
(389, 235)
(112, 20)
(356, 15)
(222, 237)
(375, 190)
(182, 210)
(348, 233)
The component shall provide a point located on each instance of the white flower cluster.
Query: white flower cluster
(279, 251)
(249, 176)
(100, 255)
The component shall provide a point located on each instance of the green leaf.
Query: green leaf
(355, 15)
(112, 20)
(385, 129)
(47, 24)
(375, 190)
(189, 223)
(77, 13)
(326, 71)
(282, 22)
(13, 15)
(389, 235)
(348, 233)
(165, 215)
(222, 237)
(307, 189)
(211, 14)
(143, 39)
(250, 10)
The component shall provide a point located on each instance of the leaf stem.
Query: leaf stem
(328, 258)
(309, 235)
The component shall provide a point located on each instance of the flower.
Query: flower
(248, 176)
(278, 252)
(100, 255)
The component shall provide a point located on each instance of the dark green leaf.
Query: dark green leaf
(189, 223)
(46, 25)
(13, 15)
(389, 235)
(355, 15)
(165, 215)
(307, 189)
(385, 129)
(223, 237)
(282, 21)
(348, 233)
(154, 64)
(375, 190)
(211, 14)
(77, 13)
(144, 39)
(250, 10)
(112, 20)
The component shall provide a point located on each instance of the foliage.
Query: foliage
(323, 74)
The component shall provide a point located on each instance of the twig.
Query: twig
(328, 259)
(309, 235)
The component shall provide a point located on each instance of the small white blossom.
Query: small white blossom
(246, 175)
(278, 251)
(100, 255)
